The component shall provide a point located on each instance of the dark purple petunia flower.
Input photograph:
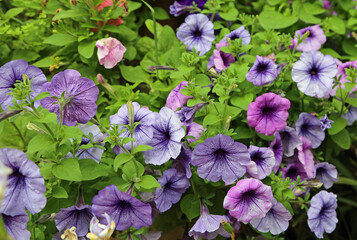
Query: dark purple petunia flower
(290, 140)
(182, 162)
(242, 200)
(264, 158)
(220, 157)
(306, 157)
(268, 113)
(222, 60)
(81, 93)
(194, 130)
(143, 132)
(277, 147)
(13, 71)
(208, 226)
(313, 42)
(167, 137)
(93, 153)
(197, 32)
(176, 99)
(275, 221)
(264, 71)
(25, 186)
(124, 209)
(16, 226)
(199, 3)
(325, 122)
(173, 185)
(240, 32)
(322, 216)
(295, 168)
(309, 126)
(314, 73)
(187, 114)
(326, 173)
(351, 115)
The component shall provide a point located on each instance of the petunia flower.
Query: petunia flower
(110, 51)
(182, 162)
(176, 99)
(313, 42)
(4, 174)
(222, 60)
(240, 32)
(325, 122)
(268, 113)
(220, 157)
(309, 126)
(93, 153)
(351, 115)
(290, 140)
(16, 226)
(275, 221)
(25, 187)
(294, 168)
(314, 73)
(167, 137)
(173, 185)
(194, 130)
(100, 231)
(264, 158)
(252, 170)
(264, 71)
(187, 114)
(306, 157)
(277, 147)
(80, 93)
(124, 209)
(322, 216)
(341, 73)
(196, 32)
(243, 200)
(177, 9)
(150, 236)
(13, 71)
(326, 173)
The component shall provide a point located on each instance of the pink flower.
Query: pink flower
(176, 99)
(194, 130)
(110, 51)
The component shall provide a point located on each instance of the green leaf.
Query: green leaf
(72, 132)
(271, 19)
(342, 139)
(123, 31)
(352, 101)
(13, 12)
(120, 159)
(59, 192)
(337, 25)
(243, 133)
(149, 182)
(141, 148)
(41, 96)
(134, 74)
(86, 48)
(348, 46)
(211, 119)
(133, 6)
(91, 170)
(306, 11)
(45, 62)
(150, 25)
(190, 206)
(231, 15)
(161, 14)
(202, 80)
(129, 170)
(338, 125)
(41, 143)
(242, 101)
(60, 39)
(77, 12)
(68, 169)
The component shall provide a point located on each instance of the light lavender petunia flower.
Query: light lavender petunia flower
(173, 185)
(290, 140)
(264, 158)
(277, 147)
(314, 73)
(81, 94)
(309, 126)
(25, 186)
(242, 200)
(93, 153)
(264, 71)
(177, 9)
(16, 226)
(240, 32)
(4, 174)
(197, 32)
(182, 162)
(194, 130)
(306, 157)
(341, 73)
(325, 122)
(326, 173)
(220, 157)
(313, 42)
(351, 115)
(322, 216)
(176, 99)
(222, 60)
(275, 221)
(167, 137)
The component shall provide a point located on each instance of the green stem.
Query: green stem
(20, 134)
(133, 158)
(343, 102)
(37, 115)
(194, 188)
(224, 114)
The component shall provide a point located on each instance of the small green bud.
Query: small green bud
(130, 106)
(33, 127)
(227, 227)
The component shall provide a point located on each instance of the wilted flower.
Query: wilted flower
(124, 209)
(264, 158)
(242, 200)
(194, 130)
(197, 32)
(268, 113)
(177, 9)
(351, 115)
(16, 226)
(13, 71)
(173, 185)
(325, 122)
(326, 173)
(220, 157)
(240, 32)
(314, 73)
(80, 94)
(306, 157)
(313, 42)
(182, 162)
(322, 216)
(264, 71)
(290, 140)
(277, 147)
(110, 52)
(176, 99)
(100, 231)
(309, 126)
(25, 186)
(167, 137)
(222, 60)
(187, 114)
(275, 221)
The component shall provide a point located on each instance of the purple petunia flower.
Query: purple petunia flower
(341, 73)
(351, 115)
(252, 170)
(322, 216)
(173, 185)
(4, 174)
(264, 71)
(268, 113)
(295, 168)
(143, 132)
(187, 114)
(176, 99)
(167, 137)
(16, 226)
(309, 126)
(194, 130)
(313, 42)
(277, 147)
(25, 186)
(240, 32)
(249, 199)
(314, 73)
(208, 226)
(275, 221)
(197, 32)
(13, 71)
(93, 153)
(182, 162)
(220, 157)
(326, 173)
(222, 60)
(124, 209)
(290, 140)
(264, 158)
(177, 9)
(81, 94)
(100, 231)
(325, 122)
(306, 157)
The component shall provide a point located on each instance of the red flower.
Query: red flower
(115, 22)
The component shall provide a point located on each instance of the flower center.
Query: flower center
(292, 173)
(267, 110)
(197, 33)
(220, 154)
(257, 157)
(167, 135)
(314, 71)
(247, 196)
(262, 67)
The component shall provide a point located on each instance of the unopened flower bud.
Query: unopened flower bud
(100, 79)
(33, 127)
(227, 227)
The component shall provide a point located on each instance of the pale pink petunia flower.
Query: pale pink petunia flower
(110, 51)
